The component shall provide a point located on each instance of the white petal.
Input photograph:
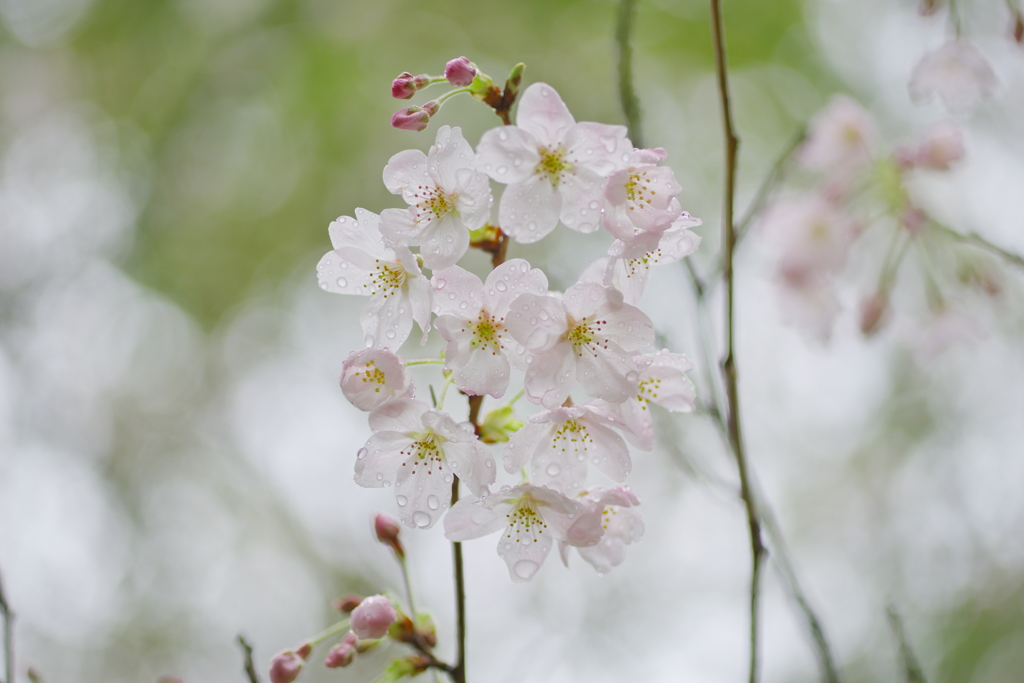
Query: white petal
(475, 517)
(378, 461)
(448, 155)
(362, 232)
(472, 462)
(405, 172)
(543, 114)
(445, 242)
(399, 415)
(581, 192)
(508, 154)
(551, 375)
(508, 281)
(607, 372)
(457, 292)
(522, 445)
(422, 492)
(602, 148)
(537, 321)
(529, 209)
(336, 274)
(370, 378)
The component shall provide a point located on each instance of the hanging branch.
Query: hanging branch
(627, 93)
(8, 618)
(250, 670)
(757, 549)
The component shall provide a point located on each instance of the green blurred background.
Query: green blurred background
(176, 458)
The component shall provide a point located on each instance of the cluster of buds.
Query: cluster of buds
(466, 78)
(591, 340)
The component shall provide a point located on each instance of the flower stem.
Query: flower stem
(757, 549)
(408, 587)
(627, 92)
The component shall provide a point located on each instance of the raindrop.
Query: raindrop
(439, 283)
(342, 282)
(421, 519)
(386, 483)
(360, 454)
(502, 170)
(632, 377)
(553, 470)
(503, 135)
(517, 162)
(594, 205)
(390, 334)
(501, 286)
(401, 500)
(525, 569)
(432, 502)
(380, 476)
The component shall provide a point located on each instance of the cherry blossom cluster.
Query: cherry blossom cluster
(584, 357)
(859, 188)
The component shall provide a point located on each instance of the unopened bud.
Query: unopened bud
(414, 117)
(872, 309)
(347, 602)
(343, 653)
(406, 667)
(286, 666)
(406, 85)
(1017, 31)
(498, 425)
(387, 529)
(427, 630)
(373, 617)
(460, 72)
(402, 630)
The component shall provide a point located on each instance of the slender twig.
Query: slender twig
(8, 618)
(757, 549)
(458, 672)
(250, 670)
(977, 240)
(775, 176)
(911, 668)
(627, 93)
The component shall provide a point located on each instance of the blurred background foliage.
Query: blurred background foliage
(176, 458)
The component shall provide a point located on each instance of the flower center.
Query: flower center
(487, 332)
(586, 334)
(572, 436)
(372, 373)
(387, 278)
(553, 165)
(648, 391)
(424, 452)
(432, 203)
(524, 520)
(638, 192)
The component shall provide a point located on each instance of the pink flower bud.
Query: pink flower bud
(460, 72)
(286, 666)
(942, 146)
(871, 311)
(406, 85)
(1017, 31)
(387, 533)
(414, 117)
(373, 617)
(343, 653)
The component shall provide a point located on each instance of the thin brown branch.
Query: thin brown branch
(8, 619)
(250, 670)
(757, 549)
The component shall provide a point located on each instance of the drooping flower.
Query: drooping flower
(813, 237)
(471, 318)
(840, 140)
(419, 450)
(371, 377)
(534, 519)
(663, 381)
(943, 144)
(628, 264)
(615, 508)
(641, 196)
(558, 443)
(957, 73)
(554, 167)
(588, 336)
(447, 198)
(361, 264)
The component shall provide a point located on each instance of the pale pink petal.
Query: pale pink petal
(386, 322)
(529, 209)
(474, 200)
(472, 463)
(581, 193)
(405, 173)
(369, 378)
(537, 321)
(457, 292)
(508, 281)
(543, 114)
(522, 445)
(423, 491)
(399, 415)
(483, 372)
(450, 154)
(361, 232)
(338, 275)
(378, 461)
(599, 147)
(444, 243)
(472, 518)
(611, 375)
(623, 526)
(508, 154)
(550, 376)
(399, 227)
(664, 382)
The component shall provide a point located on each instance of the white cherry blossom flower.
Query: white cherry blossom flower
(419, 450)
(641, 196)
(361, 264)
(554, 167)
(371, 377)
(615, 510)
(447, 198)
(586, 336)
(471, 318)
(663, 381)
(558, 443)
(629, 262)
(957, 73)
(534, 519)
(813, 236)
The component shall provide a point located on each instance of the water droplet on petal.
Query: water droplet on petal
(632, 377)
(594, 205)
(342, 282)
(421, 519)
(401, 500)
(432, 502)
(380, 476)
(390, 334)
(439, 283)
(553, 470)
(501, 286)
(525, 569)
(360, 454)
(502, 170)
